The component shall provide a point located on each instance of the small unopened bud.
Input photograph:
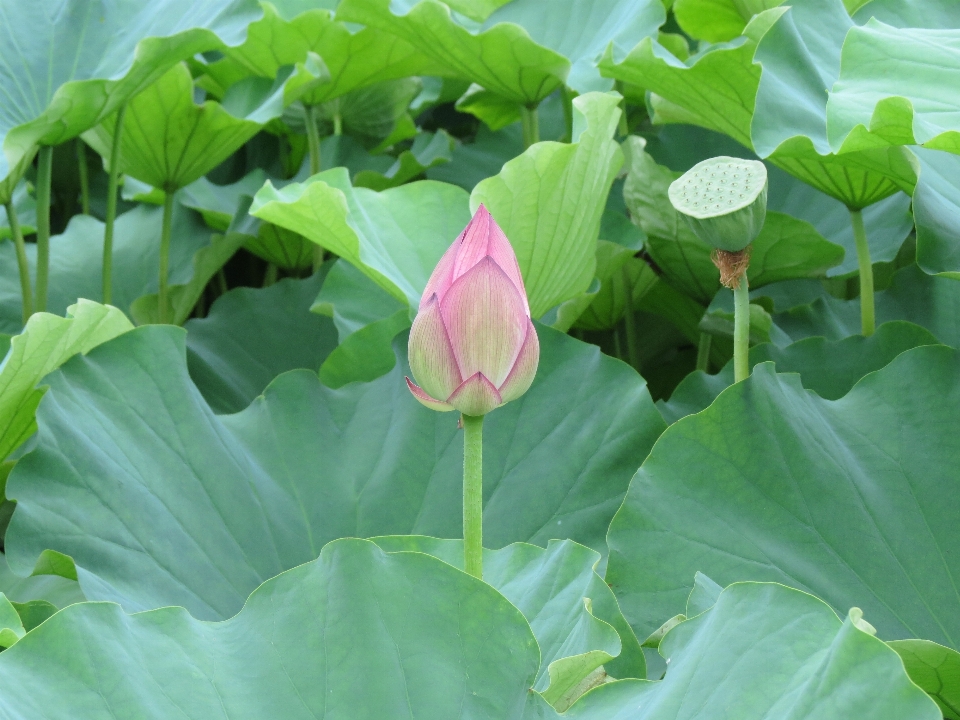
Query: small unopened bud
(473, 346)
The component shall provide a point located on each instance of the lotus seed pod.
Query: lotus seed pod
(723, 200)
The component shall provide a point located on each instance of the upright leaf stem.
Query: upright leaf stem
(162, 315)
(111, 217)
(741, 330)
(313, 143)
(703, 351)
(630, 323)
(531, 125)
(867, 318)
(566, 96)
(44, 178)
(313, 137)
(22, 264)
(473, 495)
(83, 171)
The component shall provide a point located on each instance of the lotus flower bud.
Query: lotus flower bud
(473, 346)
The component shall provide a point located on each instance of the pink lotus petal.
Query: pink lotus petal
(472, 243)
(484, 238)
(500, 249)
(431, 356)
(486, 321)
(425, 399)
(524, 368)
(476, 396)
(442, 276)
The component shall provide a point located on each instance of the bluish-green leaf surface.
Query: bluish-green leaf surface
(730, 662)
(76, 261)
(850, 499)
(829, 368)
(70, 64)
(929, 301)
(182, 507)
(250, 336)
(572, 613)
(358, 633)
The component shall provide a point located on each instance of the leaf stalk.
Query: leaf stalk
(531, 125)
(165, 231)
(867, 316)
(23, 265)
(44, 179)
(111, 217)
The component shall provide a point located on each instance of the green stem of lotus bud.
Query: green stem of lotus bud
(22, 263)
(111, 216)
(44, 178)
(531, 125)
(165, 255)
(741, 330)
(84, 177)
(703, 351)
(867, 319)
(473, 495)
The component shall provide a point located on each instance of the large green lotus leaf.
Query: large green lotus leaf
(54, 589)
(76, 261)
(501, 57)
(168, 140)
(183, 297)
(800, 56)
(934, 668)
(395, 237)
(936, 207)
(624, 279)
(376, 113)
(224, 502)
(549, 202)
(929, 301)
(786, 248)
(768, 90)
(355, 57)
(358, 633)
(582, 30)
(718, 20)
(848, 499)
(907, 13)
(904, 98)
(252, 335)
(219, 203)
(572, 612)
(47, 341)
(427, 150)
(67, 68)
(887, 222)
(767, 651)
(485, 156)
(828, 367)
(367, 319)
(715, 89)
